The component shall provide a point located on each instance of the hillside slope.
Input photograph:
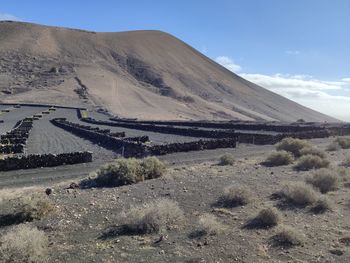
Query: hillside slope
(142, 74)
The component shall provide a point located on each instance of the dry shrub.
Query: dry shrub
(344, 143)
(334, 146)
(235, 195)
(227, 159)
(299, 194)
(279, 158)
(23, 243)
(209, 225)
(343, 173)
(35, 207)
(346, 162)
(287, 237)
(292, 145)
(324, 179)
(322, 205)
(128, 171)
(153, 217)
(313, 151)
(309, 162)
(25, 209)
(152, 167)
(267, 217)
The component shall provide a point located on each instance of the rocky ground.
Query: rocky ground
(79, 228)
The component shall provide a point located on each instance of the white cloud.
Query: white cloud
(307, 91)
(4, 16)
(304, 89)
(292, 52)
(228, 63)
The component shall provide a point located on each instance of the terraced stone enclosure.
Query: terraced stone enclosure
(35, 133)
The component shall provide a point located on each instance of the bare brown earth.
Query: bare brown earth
(76, 229)
(143, 74)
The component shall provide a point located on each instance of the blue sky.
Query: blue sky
(299, 49)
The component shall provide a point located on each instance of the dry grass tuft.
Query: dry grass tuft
(35, 207)
(227, 159)
(334, 146)
(309, 162)
(279, 158)
(235, 196)
(287, 237)
(324, 179)
(343, 142)
(346, 162)
(127, 171)
(209, 225)
(153, 217)
(322, 205)
(23, 244)
(299, 194)
(313, 151)
(292, 145)
(267, 217)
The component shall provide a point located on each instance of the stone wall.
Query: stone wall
(191, 146)
(120, 145)
(276, 127)
(191, 132)
(44, 160)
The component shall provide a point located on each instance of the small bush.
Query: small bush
(299, 194)
(23, 244)
(267, 217)
(235, 196)
(313, 151)
(209, 225)
(153, 217)
(346, 162)
(129, 171)
(343, 173)
(322, 205)
(344, 143)
(325, 180)
(227, 159)
(35, 207)
(152, 168)
(309, 162)
(279, 158)
(334, 146)
(292, 145)
(287, 237)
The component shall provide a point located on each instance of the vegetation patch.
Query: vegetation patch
(299, 194)
(23, 243)
(287, 237)
(309, 162)
(324, 179)
(27, 209)
(334, 146)
(292, 145)
(313, 151)
(235, 195)
(266, 218)
(153, 217)
(343, 142)
(209, 225)
(126, 171)
(321, 206)
(227, 159)
(279, 158)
